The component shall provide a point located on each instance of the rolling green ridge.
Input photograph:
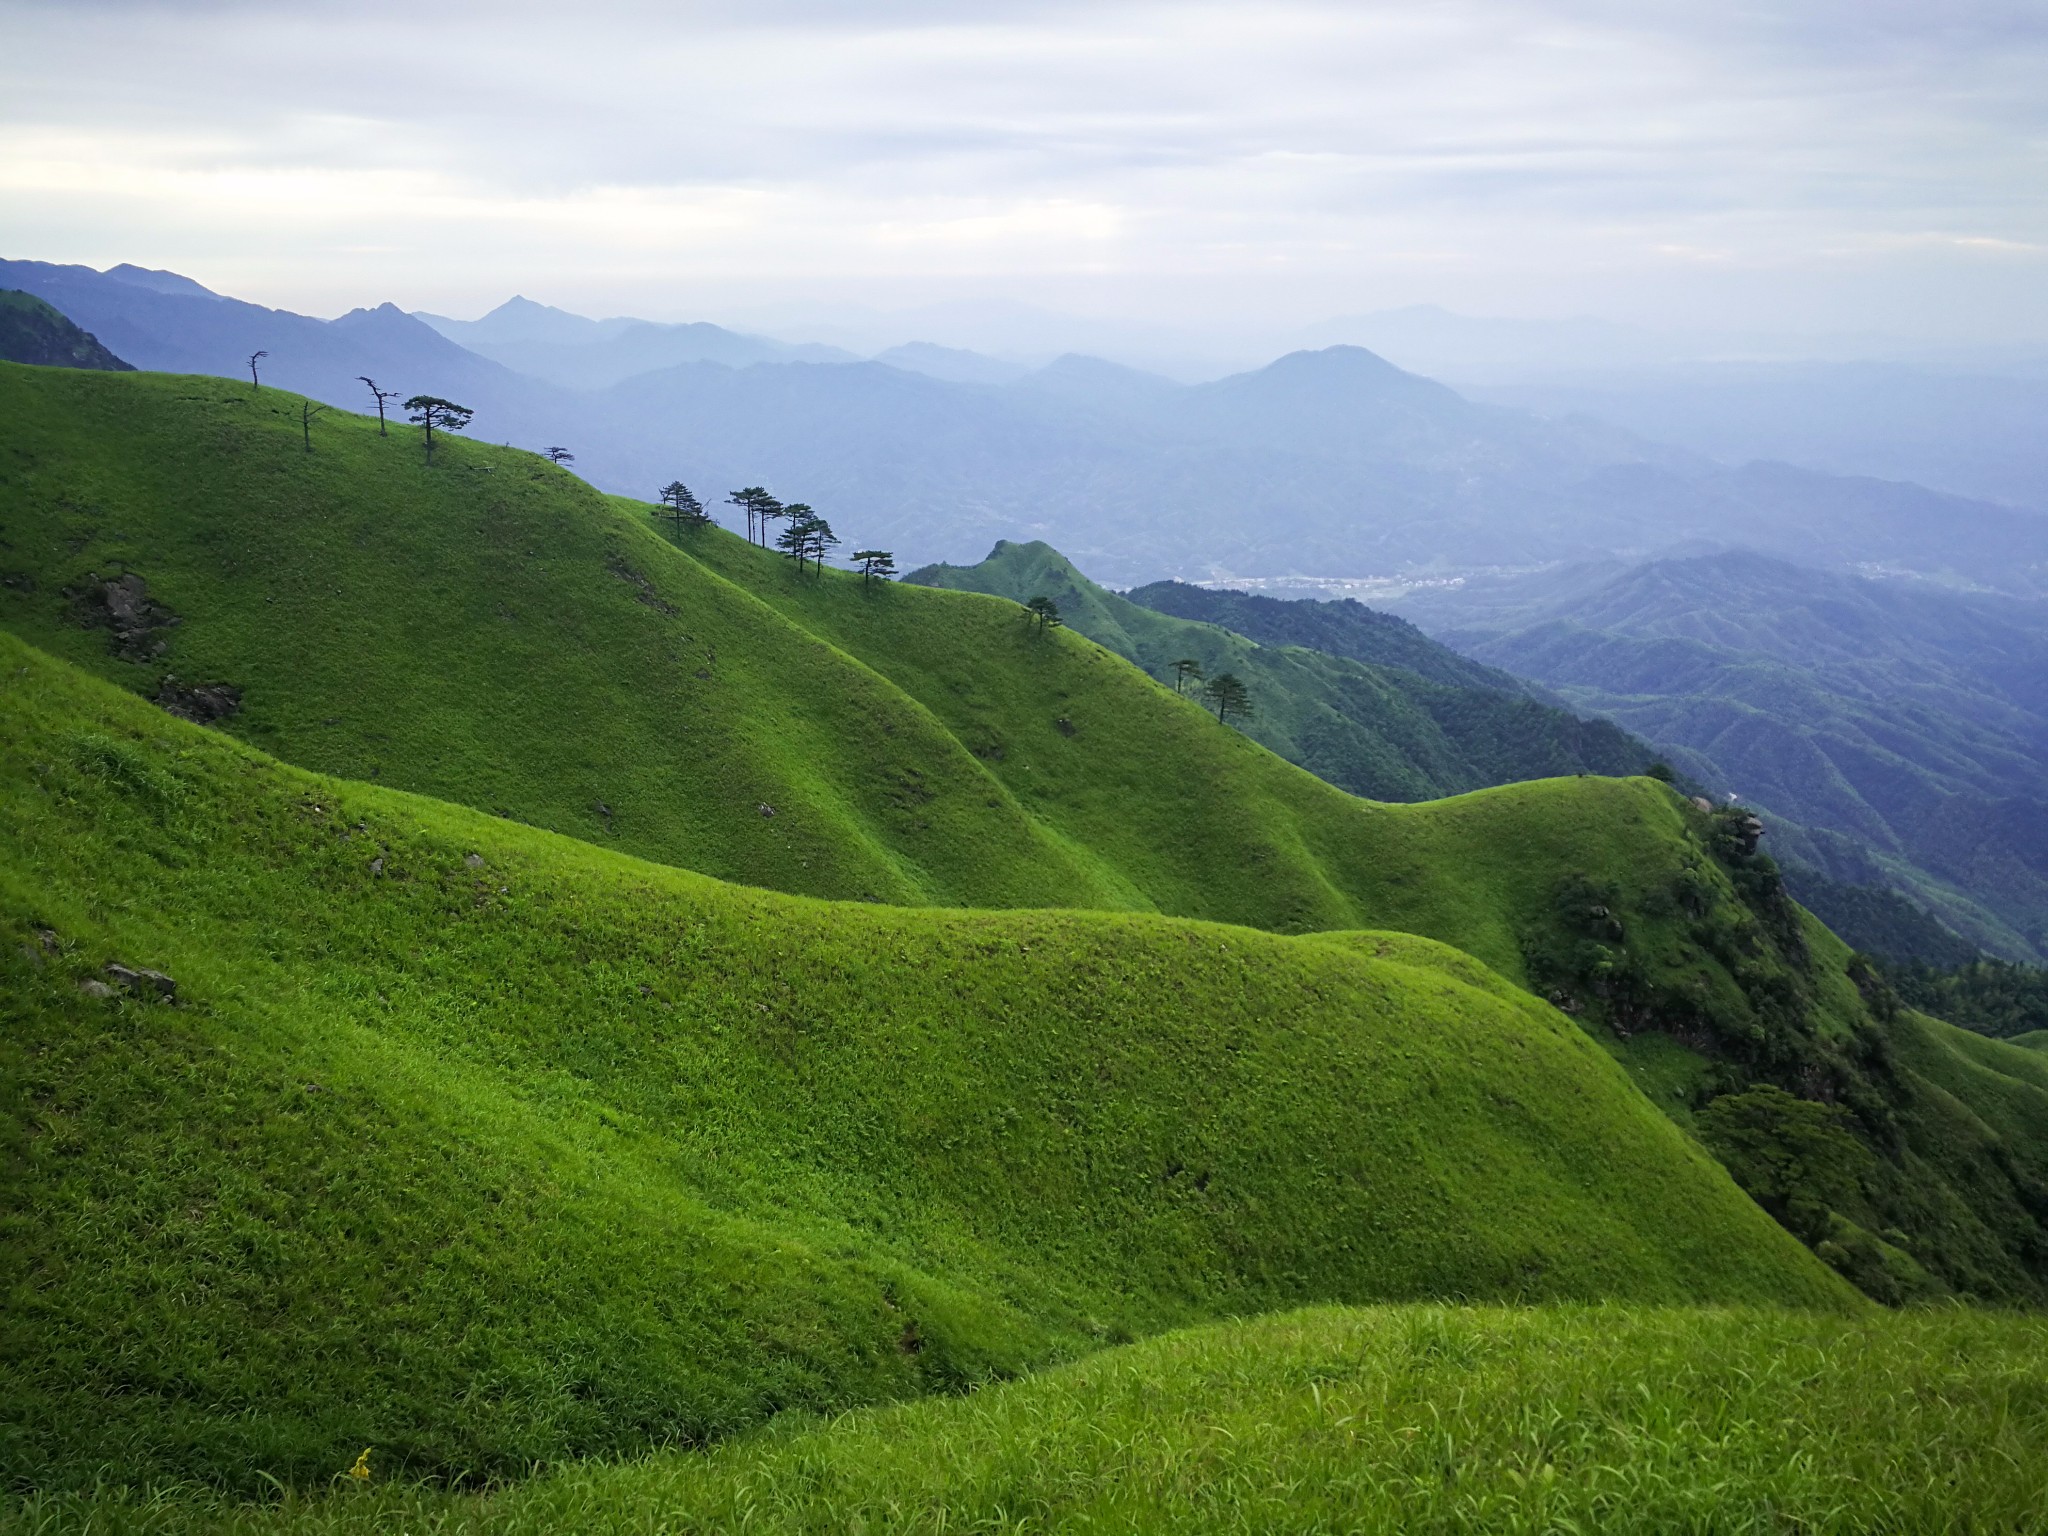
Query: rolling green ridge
(1388, 1420)
(32, 332)
(489, 631)
(486, 1147)
(1417, 723)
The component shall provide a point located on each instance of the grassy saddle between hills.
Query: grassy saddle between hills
(1381, 1421)
(487, 1148)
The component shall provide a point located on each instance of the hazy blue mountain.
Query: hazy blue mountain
(956, 365)
(579, 353)
(1429, 339)
(32, 332)
(1909, 719)
(163, 322)
(522, 320)
(1332, 463)
(1972, 433)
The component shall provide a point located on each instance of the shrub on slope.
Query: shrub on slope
(485, 1147)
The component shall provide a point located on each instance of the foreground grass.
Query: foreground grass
(1396, 1419)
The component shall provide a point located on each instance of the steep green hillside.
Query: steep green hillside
(32, 332)
(486, 629)
(486, 1147)
(1388, 728)
(1384, 1421)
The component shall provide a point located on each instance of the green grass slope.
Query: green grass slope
(486, 629)
(1198, 818)
(1386, 731)
(1384, 1421)
(490, 631)
(486, 1147)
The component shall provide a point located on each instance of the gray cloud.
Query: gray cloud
(1819, 164)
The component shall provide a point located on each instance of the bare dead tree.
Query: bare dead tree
(254, 381)
(382, 395)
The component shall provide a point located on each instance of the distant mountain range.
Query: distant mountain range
(560, 348)
(1329, 463)
(1909, 721)
(1968, 431)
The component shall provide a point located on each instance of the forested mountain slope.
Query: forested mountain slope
(1430, 723)
(1344, 627)
(1912, 719)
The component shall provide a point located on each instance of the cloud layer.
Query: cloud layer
(1821, 165)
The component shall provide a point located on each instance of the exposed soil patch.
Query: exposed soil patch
(123, 604)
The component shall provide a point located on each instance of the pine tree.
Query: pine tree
(431, 411)
(688, 510)
(1229, 697)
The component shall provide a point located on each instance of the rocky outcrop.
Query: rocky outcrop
(201, 703)
(123, 604)
(145, 984)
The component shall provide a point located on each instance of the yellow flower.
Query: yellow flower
(361, 1470)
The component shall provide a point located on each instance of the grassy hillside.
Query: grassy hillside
(486, 629)
(1412, 725)
(1386, 1421)
(485, 1147)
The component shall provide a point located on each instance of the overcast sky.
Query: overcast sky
(1806, 164)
